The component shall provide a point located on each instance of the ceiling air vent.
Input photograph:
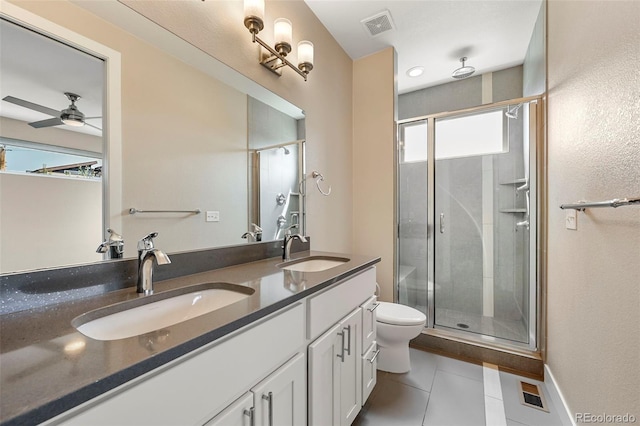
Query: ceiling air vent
(378, 23)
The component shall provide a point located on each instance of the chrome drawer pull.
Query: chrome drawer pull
(341, 354)
(375, 355)
(349, 340)
(270, 399)
(250, 413)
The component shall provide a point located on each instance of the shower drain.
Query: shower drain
(462, 325)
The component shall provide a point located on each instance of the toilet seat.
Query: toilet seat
(397, 314)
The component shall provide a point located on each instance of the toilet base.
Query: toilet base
(394, 359)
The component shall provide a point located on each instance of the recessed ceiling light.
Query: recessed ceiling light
(415, 71)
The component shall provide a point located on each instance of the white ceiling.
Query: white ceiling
(435, 34)
(39, 70)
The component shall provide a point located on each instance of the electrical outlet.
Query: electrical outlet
(213, 216)
(571, 220)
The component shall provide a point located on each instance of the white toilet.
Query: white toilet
(396, 325)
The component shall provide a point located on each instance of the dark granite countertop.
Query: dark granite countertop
(47, 367)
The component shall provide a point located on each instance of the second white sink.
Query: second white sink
(150, 313)
(313, 263)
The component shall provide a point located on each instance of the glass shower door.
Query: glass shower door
(481, 265)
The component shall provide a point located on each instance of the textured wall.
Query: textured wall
(593, 319)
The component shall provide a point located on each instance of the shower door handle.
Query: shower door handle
(442, 223)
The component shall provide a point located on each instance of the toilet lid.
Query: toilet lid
(396, 314)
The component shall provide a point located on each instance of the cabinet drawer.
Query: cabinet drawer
(369, 322)
(369, 367)
(329, 307)
(192, 389)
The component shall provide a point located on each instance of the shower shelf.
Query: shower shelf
(515, 182)
(513, 211)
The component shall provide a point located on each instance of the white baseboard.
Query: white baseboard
(557, 398)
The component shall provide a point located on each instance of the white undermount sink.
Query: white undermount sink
(150, 313)
(313, 263)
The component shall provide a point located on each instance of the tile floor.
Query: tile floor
(440, 391)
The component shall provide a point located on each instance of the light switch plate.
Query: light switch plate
(213, 216)
(571, 219)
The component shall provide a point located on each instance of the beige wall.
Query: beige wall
(374, 120)
(217, 28)
(593, 346)
(31, 204)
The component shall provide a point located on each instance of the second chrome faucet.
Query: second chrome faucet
(146, 254)
(288, 240)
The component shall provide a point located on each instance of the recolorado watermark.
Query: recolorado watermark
(605, 418)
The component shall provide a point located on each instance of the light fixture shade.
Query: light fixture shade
(282, 31)
(305, 52)
(254, 15)
(254, 8)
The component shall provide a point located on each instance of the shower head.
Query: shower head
(513, 112)
(463, 71)
(286, 151)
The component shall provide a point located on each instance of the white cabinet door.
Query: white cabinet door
(324, 378)
(368, 322)
(280, 399)
(240, 413)
(351, 368)
(369, 367)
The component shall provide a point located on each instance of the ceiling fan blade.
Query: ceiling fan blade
(31, 105)
(91, 118)
(46, 123)
(91, 125)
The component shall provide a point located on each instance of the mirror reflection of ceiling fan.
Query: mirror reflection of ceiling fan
(70, 116)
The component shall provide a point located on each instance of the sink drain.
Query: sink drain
(462, 325)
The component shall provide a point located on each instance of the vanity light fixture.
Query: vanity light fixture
(254, 21)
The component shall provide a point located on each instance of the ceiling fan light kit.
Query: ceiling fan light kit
(72, 116)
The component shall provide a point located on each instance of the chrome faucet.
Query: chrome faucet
(249, 236)
(255, 235)
(146, 254)
(114, 245)
(288, 239)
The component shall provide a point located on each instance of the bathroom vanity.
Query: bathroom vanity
(300, 335)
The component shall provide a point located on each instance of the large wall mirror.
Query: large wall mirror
(201, 152)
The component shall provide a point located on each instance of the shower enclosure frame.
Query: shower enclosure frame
(537, 252)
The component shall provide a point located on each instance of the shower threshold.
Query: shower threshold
(478, 349)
